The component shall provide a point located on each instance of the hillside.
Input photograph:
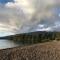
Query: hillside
(34, 37)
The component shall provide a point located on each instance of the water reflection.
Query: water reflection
(7, 44)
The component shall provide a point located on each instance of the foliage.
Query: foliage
(35, 37)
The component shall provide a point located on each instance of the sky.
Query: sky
(21, 16)
(5, 1)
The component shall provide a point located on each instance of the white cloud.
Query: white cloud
(21, 4)
(10, 5)
(25, 14)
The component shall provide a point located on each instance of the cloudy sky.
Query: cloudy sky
(20, 16)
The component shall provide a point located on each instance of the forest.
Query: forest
(34, 37)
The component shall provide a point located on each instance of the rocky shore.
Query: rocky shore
(42, 51)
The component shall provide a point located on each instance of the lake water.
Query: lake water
(7, 44)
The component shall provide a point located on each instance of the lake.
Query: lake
(7, 44)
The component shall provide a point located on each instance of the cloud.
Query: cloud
(25, 15)
(7, 18)
(10, 5)
(23, 5)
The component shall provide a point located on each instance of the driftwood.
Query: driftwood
(44, 51)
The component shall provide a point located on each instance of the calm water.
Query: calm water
(7, 44)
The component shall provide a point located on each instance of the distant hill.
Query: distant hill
(34, 37)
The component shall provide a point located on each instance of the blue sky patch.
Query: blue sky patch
(5, 1)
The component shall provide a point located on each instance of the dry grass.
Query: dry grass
(43, 51)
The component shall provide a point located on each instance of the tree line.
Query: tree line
(35, 37)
